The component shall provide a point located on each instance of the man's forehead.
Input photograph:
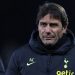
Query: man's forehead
(50, 17)
(50, 21)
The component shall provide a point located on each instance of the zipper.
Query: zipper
(48, 64)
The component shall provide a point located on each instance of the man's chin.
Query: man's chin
(48, 42)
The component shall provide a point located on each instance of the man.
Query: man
(50, 50)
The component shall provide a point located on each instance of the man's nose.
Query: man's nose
(48, 28)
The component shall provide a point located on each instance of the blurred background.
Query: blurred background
(17, 20)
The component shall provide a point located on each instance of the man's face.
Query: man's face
(50, 30)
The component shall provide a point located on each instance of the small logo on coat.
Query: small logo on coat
(30, 62)
(66, 71)
(66, 63)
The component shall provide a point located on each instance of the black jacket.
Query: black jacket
(36, 59)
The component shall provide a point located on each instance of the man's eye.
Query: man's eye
(53, 25)
(43, 24)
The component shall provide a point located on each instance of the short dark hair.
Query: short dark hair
(56, 11)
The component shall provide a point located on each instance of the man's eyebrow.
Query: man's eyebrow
(54, 23)
(43, 22)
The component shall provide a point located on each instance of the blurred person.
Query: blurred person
(2, 69)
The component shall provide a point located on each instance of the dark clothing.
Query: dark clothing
(2, 70)
(36, 59)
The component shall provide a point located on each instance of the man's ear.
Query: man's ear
(65, 29)
(38, 27)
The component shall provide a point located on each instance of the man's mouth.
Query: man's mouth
(49, 38)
